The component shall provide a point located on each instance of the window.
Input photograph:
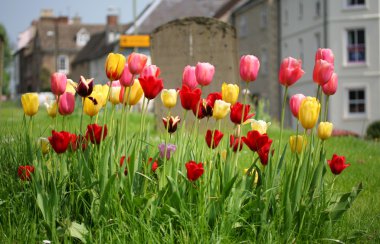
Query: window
(264, 61)
(82, 37)
(243, 27)
(317, 8)
(356, 45)
(263, 17)
(355, 3)
(63, 64)
(356, 101)
(300, 10)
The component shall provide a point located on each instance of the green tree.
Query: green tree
(6, 60)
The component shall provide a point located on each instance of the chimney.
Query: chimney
(62, 20)
(112, 16)
(77, 20)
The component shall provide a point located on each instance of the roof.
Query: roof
(225, 8)
(96, 47)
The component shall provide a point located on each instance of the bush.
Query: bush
(373, 130)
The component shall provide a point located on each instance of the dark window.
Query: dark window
(356, 45)
(356, 101)
(355, 2)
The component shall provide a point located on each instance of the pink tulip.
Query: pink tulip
(66, 103)
(150, 70)
(58, 83)
(136, 62)
(322, 71)
(295, 103)
(126, 78)
(189, 78)
(331, 86)
(204, 72)
(114, 83)
(325, 54)
(290, 71)
(249, 67)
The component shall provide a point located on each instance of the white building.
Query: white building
(351, 28)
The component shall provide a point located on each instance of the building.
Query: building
(351, 29)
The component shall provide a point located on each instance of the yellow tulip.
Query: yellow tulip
(114, 66)
(297, 143)
(169, 97)
(259, 125)
(44, 144)
(309, 112)
(51, 108)
(70, 86)
(135, 93)
(93, 103)
(223, 154)
(114, 95)
(30, 103)
(252, 172)
(102, 93)
(325, 130)
(230, 93)
(221, 109)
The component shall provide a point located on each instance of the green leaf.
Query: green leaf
(78, 231)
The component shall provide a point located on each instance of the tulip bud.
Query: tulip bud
(325, 130)
(331, 86)
(297, 143)
(322, 72)
(337, 164)
(171, 123)
(150, 70)
(114, 66)
(58, 83)
(115, 94)
(309, 112)
(325, 54)
(51, 108)
(188, 77)
(135, 95)
(249, 67)
(70, 86)
(204, 72)
(126, 78)
(230, 93)
(85, 87)
(66, 103)
(295, 103)
(136, 63)
(169, 97)
(102, 93)
(221, 109)
(30, 103)
(43, 143)
(93, 103)
(290, 71)
(259, 125)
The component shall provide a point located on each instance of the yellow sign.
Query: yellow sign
(134, 41)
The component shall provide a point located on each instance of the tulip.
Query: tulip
(206, 106)
(136, 63)
(188, 77)
(93, 103)
(194, 170)
(255, 140)
(100, 93)
(66, 103)
(223, 154)
(173, 122)
(331, 86)
(115, 95)
(325, 54)
(169, 148)
(151, 86)
(322, 72)
(122, 159)
(43, 143)
(126, 78)
(135, 95)
(230, 93)
(259, 125)
(30, 103)
(204, 72)
(290, 71)
(251, 173)
(295, 103)
(58, 83)
(114, 66)
(169, 97)
(309, 112)
(263, 152)
(59, 141)
(236, 114)
(297, 143)
(76, 141)
(150, 70)
(51, 108)
(325, 130)
(337, 164)
(24, 172)
(221, 109)
(235, 143)
(154, 164)
(69, 86)
(215, 137)
(96, 133)
(249, 67)
(84, 87)
(189, 97)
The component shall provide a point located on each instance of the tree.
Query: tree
(5, 61)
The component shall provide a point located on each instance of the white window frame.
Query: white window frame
(346, 110)
(82, 37)
(346, 5)
(346, 61)
(65, 70)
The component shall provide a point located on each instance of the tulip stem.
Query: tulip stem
(81, 117)
(57, 112)
(282, 120)
(326, 107)
(166, 146)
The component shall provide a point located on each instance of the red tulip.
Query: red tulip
(325, 54)
(24, 172)
(151, 86)
(194, 170)
(60, 141)
(126, 78)
(58, 83)
(189, 97)
(66, 103)
(173, 122)
(255, 140)
(218, 135)
(331, 86)
(337, 164)
(150, 70)
(263, 152)
(295, 103)
(322, 72)
(122, 162)
(235, 143)
(136, 62)
(236, 114)
(76, 141)
(206, 106)
(290, 71)
(249, 67)
(204, 72)
(189, 78)
(154, 164)
(94, 133)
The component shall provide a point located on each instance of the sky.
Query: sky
(16, 15)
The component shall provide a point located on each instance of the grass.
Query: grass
(19, 214)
